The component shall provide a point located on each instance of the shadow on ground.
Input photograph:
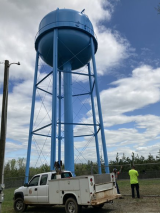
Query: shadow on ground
(62, 210)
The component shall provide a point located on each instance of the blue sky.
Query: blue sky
(128, 65)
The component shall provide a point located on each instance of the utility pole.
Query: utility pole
(4, 127)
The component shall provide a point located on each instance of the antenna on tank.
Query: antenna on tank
(82, 11)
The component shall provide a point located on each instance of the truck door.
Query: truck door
(43, 189)
(31, 195)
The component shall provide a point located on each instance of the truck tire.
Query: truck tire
(71, 206)
(98, 206)
(19, 205)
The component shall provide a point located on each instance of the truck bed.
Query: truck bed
(87, 189)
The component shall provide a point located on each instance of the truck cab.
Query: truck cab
(36, 191)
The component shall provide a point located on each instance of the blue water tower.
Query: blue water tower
(66, 42)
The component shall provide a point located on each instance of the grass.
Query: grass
(147, 187)
(7, 205)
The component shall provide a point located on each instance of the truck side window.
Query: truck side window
(44, 179)
(34, 181)
(66, 175)
(53, 176)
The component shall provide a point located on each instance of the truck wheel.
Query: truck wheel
(19, 205)
(71, 206)
(98, 206)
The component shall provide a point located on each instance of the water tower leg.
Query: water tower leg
(99, 109)
(94, 121)
(31, 120)
(54, 99)
(68, 119)
(59, 126)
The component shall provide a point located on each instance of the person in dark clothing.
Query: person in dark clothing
(116, 176)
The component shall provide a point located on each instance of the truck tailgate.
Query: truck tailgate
(104, 196)
(105, 189)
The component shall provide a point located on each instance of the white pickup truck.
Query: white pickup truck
(73, 192)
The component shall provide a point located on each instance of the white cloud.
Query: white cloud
(132, 93)
(113, 49)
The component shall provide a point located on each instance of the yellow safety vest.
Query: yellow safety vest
(133, 176)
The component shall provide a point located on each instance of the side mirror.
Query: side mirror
(26, 185)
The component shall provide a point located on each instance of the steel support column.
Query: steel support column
(31, 120)
(99, 109)
(68, 118)
(59, 126)
(54, 99)
(94, 121)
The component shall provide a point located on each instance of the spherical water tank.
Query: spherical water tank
(74, 33)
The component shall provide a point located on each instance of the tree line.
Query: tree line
(16, 168)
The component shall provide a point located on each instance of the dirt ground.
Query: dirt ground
(126, 205)
(129, 205)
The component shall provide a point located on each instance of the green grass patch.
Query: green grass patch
(146, 187)
(7, 205)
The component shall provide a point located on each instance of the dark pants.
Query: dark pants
(137, 189)
(118, 192)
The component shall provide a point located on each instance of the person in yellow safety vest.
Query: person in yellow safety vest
(134, 181)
